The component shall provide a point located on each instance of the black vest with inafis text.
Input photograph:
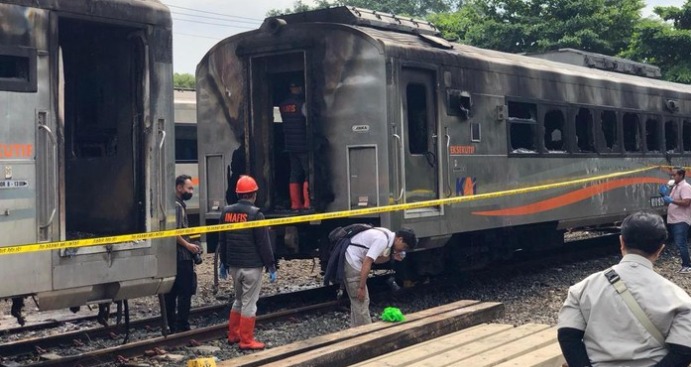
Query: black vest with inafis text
(241, 249)
(294, 124)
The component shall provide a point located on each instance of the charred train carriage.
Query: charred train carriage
(396, 114)
(87, 98)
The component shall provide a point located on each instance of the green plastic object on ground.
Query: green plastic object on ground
(392, 314)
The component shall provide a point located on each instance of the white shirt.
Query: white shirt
(613, 334)
(376, 240)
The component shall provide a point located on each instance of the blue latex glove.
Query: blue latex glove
(667, 199)
(272, 276)
(223, 273)
(664, 190)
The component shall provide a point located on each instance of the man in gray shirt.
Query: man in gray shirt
(597, 328)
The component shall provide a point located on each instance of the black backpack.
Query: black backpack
(339, 240)
(348, 231)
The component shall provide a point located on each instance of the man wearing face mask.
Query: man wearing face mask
(377, 245)
(185, 279)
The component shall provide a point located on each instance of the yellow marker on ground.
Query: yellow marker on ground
(202, 362)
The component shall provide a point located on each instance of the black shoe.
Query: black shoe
(180, 329)
(103, 314)
(17, 305)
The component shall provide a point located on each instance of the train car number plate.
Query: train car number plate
(657, 202)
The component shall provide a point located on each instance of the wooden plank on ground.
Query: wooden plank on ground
(413, 354)
(511, 350)
(489, 345)
(549, 356)
(288, 350)
(383, 341)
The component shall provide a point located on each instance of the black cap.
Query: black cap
(295, 83)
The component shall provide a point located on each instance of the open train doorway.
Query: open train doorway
(102, 71)
(279, 82)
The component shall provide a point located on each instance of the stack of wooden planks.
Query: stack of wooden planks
(455, 334)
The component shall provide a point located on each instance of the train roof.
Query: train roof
(600, 61)
(140, 11)
(362, 17)
(182, 95)
(420, 40)
(474, 57)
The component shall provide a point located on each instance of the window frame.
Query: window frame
(30, 85)
(545, 108)
(601, 140)
(677, 121)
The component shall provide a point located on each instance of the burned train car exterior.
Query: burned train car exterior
(86, 94)
(396, 114)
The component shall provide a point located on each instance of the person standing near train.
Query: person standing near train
(244, 252)
(185, 279)
(679, 215)
(293, 113)
(628, 315)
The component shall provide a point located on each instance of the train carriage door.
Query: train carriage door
(418, 137)
(277, 80)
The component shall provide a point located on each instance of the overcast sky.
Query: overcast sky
(200, 24)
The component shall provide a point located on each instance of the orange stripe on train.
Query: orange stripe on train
(571, 197)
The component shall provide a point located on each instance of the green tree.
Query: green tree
(665, 42)
(415, 8)
(183, 81)
(298, 7)
(602, 26)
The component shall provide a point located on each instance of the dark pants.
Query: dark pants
(680, 233)
(183, 289)
(299, 166)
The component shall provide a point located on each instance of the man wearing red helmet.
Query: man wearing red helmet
(245, 252)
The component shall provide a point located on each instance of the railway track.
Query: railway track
(276, 305)
(30, 351)
(319, 300)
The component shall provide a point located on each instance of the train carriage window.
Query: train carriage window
(686, 135)
(522, 127)
(554, 131)
(632, 132)
(18, 69)
(475, 136)
(652, 135)
(671, 136)
(458, 103)
(609, 130)
(185, 143)
(584, 131)
(417, 118)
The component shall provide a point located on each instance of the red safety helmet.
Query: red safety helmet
(246, 185)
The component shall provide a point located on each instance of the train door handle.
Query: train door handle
(163, 139)
(161, 169)
(54, 140)
(401, 178)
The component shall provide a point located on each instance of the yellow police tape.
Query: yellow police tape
(34, 247)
